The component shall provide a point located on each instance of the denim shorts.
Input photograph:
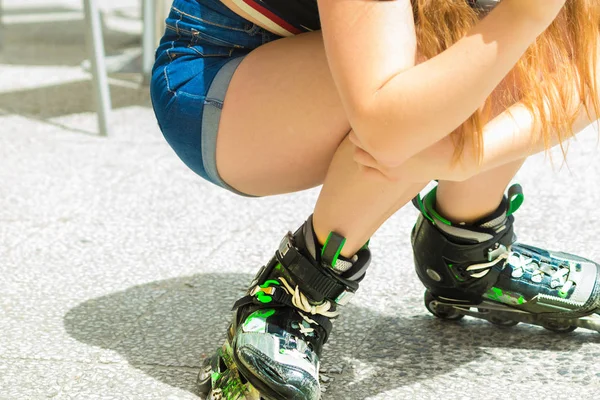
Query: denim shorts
(203, 44)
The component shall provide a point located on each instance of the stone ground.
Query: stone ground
(118, 265)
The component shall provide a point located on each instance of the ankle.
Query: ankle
(465, 211)
(476, 230)
(350, 247)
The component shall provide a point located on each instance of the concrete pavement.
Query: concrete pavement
(118, 266)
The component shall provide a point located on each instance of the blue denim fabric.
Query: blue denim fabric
(201, 37)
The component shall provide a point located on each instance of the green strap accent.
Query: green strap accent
(430, 206)
(458, 278)
(422, 208)
(494, 294)
(259, 314)
(515, 198)
(263, 297)
(332, 240)
(326, 243)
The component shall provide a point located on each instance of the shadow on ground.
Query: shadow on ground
(177, 323)
(48, 42)
(62, 43)
(67, 98)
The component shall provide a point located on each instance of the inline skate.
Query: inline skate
(480, 270)
(279, 327)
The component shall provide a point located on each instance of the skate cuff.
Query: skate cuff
(316, 282)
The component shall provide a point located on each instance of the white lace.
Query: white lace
(301, 302)
(486, 267)
(522, 264)
(558, 275)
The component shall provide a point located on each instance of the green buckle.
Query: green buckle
(515, 198)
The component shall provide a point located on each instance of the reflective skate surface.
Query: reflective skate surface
(287, 372)
(219, 378)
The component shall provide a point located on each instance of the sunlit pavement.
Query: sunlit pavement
(118, 266)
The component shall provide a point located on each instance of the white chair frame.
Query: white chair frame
(153, 14)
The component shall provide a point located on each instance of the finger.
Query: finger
(364, 158)
(370, 167)
(373, 174)
(354, 139)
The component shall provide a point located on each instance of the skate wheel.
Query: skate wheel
(503, 322)
(558, 327)
(498, 321)
(439, 310)
(204, 382)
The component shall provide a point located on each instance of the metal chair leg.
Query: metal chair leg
(148, 35)
(163, 7)
(95, 44)
(1, 25)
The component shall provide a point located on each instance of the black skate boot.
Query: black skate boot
(275, 340)
(479, 270)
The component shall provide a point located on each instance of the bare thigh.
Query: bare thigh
(282, 119)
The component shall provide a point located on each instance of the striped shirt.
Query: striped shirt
(291, 17)
(284, 17)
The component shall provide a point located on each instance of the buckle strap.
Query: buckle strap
(277, 298)
(332, 249)
(243, 302)
(316, 282)
(485, 251)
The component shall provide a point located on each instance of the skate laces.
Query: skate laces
(484, 268)
(558, 274)
(301, 302)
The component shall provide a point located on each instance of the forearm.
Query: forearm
(515, 134)
(511, 136)
(398, 122)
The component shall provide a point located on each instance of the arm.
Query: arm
(511, 136)
(515, 135)
(388, 100)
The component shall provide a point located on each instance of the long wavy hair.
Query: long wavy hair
(559, 67)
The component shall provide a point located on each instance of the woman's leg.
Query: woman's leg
(354, 204)
(283, 129)
(283, 122)
(477, 197)
(282, 119)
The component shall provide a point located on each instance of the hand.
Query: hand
(435, 162)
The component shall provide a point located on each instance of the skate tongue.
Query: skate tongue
(329, 253)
